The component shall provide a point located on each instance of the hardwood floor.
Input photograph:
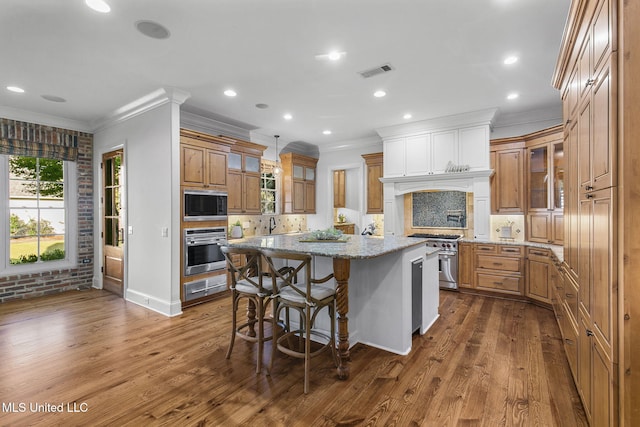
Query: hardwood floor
(486, 362)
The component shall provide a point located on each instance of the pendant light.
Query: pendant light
(277, 169)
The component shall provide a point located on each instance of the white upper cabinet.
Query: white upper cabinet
(474, 147)
(445, 150)
(430, 153)
(417, 154)
(394, 155)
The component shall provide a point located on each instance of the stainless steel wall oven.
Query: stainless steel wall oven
(202, 249)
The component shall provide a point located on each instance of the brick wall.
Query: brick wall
(30, 285)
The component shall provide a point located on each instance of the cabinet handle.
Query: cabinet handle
(510, 250)
(497, 263)
(589, 196)
(538, 253)
(497, 283)
(485, 249)
(589, 82)
(568, 341)
(569, 295)
(588, 188)
(589, 333)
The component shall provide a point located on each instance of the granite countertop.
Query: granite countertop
(356, 247)
(558, 251)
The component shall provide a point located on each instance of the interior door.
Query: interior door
(113, 225)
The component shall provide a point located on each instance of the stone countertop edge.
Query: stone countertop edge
(357, 247)
(558, 251)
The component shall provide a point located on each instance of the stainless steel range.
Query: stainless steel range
(447, 257)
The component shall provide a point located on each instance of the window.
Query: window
(268, 188)
(36, 221)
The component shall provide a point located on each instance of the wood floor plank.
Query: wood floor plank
(484, 362)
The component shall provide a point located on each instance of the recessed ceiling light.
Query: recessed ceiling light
(331, 56)
(260, 106)
(53, 98)
(510, 60)
(231, 93)
(288, 116)
(98, 5)
(379, 93)
(152, 29)
(15, 89)
(407, 116)
(512, 96)
(326, 132)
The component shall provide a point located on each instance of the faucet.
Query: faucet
(272, 224)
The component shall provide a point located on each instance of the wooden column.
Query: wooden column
(341, 267)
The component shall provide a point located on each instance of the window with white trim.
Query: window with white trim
(37, 233)
(268, 188)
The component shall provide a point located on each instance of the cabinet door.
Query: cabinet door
(234, 198)
(445, 150)
(418, 155)
(603, 381)
(539, 227)
(493, 183)
(251, 164)
(235, 161)
(193, 165)
(465, 265)
(217, 168)
(584, 362)
(298, 196)
(538, 161)
(509, 181)
(538, 273)
(474, 147)
(394, 155)
(584, 146)
(309, 197)
(603, 126)
(557, 227)
(251, 191)
(339, 188)
(374, 189)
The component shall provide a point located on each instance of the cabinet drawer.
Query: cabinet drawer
(538, 252)
(570, 297)
(511, 250)
(496, 282)
(501, 263)
(486, 249)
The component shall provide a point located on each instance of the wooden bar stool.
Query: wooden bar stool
(308, 297)
(248, 282)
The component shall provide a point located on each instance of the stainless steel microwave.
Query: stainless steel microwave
(204, 205)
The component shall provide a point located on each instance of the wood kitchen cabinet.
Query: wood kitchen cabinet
(299, 183)
(203, 161)
(346, 228)
(587, 74)
(499, 268)
(545, 165)
(465, 265)
(339, 189)
(244, 178)
(539, 275)
(507, 183)
(375, 199)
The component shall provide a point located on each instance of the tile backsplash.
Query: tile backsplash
(507, 228)
(254, 225)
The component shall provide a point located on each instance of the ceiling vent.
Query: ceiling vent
(385, 68)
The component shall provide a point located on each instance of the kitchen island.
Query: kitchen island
(373, 277)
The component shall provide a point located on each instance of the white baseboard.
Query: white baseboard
(168, 308)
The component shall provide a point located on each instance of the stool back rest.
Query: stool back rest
(289, 276)
(250, 272)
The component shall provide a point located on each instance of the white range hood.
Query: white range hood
(416, 158)
(476, 182)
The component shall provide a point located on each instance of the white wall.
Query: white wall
(151, 157)
(329, 161)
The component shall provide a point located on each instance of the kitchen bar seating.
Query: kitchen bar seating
(308, 297)
(248, 282)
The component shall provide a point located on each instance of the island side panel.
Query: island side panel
(430, 291)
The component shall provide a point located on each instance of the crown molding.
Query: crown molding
(189, 120)
(473, 118)
(142, 105)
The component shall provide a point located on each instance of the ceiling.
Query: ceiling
(447, 58)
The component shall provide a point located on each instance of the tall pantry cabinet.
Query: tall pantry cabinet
(597, 74)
